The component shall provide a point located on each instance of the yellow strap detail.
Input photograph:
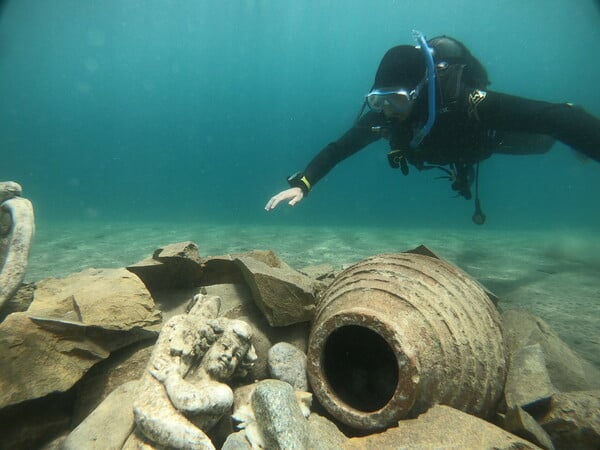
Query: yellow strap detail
(306, 183)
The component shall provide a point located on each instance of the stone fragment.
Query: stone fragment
(136, 441)
(109, 425)
(287, 363)
(187, 251)
(323, 434)
(242, 397)
(109, 298)
(234, 296)
(19, 301)
(321, 272)
(31, 424)
(567, 370)
(174, 266)
(221, 270)
(284, 295)
(237, 441)
(71, 325)
(244, 415)
(279, 417)
(441, 427)
(56, 443)
(528, 380)
(573, 420)
(37, 357)
(124, 365)
(178, 266)
(520, 423)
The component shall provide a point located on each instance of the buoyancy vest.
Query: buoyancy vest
(456, 69)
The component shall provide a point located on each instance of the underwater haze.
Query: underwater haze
(198, 110)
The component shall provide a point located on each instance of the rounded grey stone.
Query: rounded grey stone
(288, 363)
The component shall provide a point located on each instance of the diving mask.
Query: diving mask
(399, 99)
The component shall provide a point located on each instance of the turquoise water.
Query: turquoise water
(196, 110)
(132, 124)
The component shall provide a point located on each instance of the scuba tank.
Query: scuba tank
(449, 52)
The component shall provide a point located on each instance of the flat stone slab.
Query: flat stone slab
(284, 295)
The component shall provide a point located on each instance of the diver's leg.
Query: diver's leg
(514, 143)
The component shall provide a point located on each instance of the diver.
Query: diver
(431, 103)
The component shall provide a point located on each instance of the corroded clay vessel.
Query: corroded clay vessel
(397, 333)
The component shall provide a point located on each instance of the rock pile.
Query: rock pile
(75, 351)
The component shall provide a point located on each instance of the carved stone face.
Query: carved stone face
(223, 357)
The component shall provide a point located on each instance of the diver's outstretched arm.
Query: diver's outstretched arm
(354, 140)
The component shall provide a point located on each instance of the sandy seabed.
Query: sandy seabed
(555, 274)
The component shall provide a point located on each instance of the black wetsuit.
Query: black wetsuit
(470, 126)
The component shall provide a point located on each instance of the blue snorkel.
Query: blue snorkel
(428, 53)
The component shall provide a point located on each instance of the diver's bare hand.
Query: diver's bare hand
(294, 195)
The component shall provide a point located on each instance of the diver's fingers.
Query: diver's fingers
(275, 200)
(272, 203)
(297, 198)
(295, 194)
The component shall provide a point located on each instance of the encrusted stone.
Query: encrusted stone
(528, 380)
(284, 295)
(287, 363)
(280, 419)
